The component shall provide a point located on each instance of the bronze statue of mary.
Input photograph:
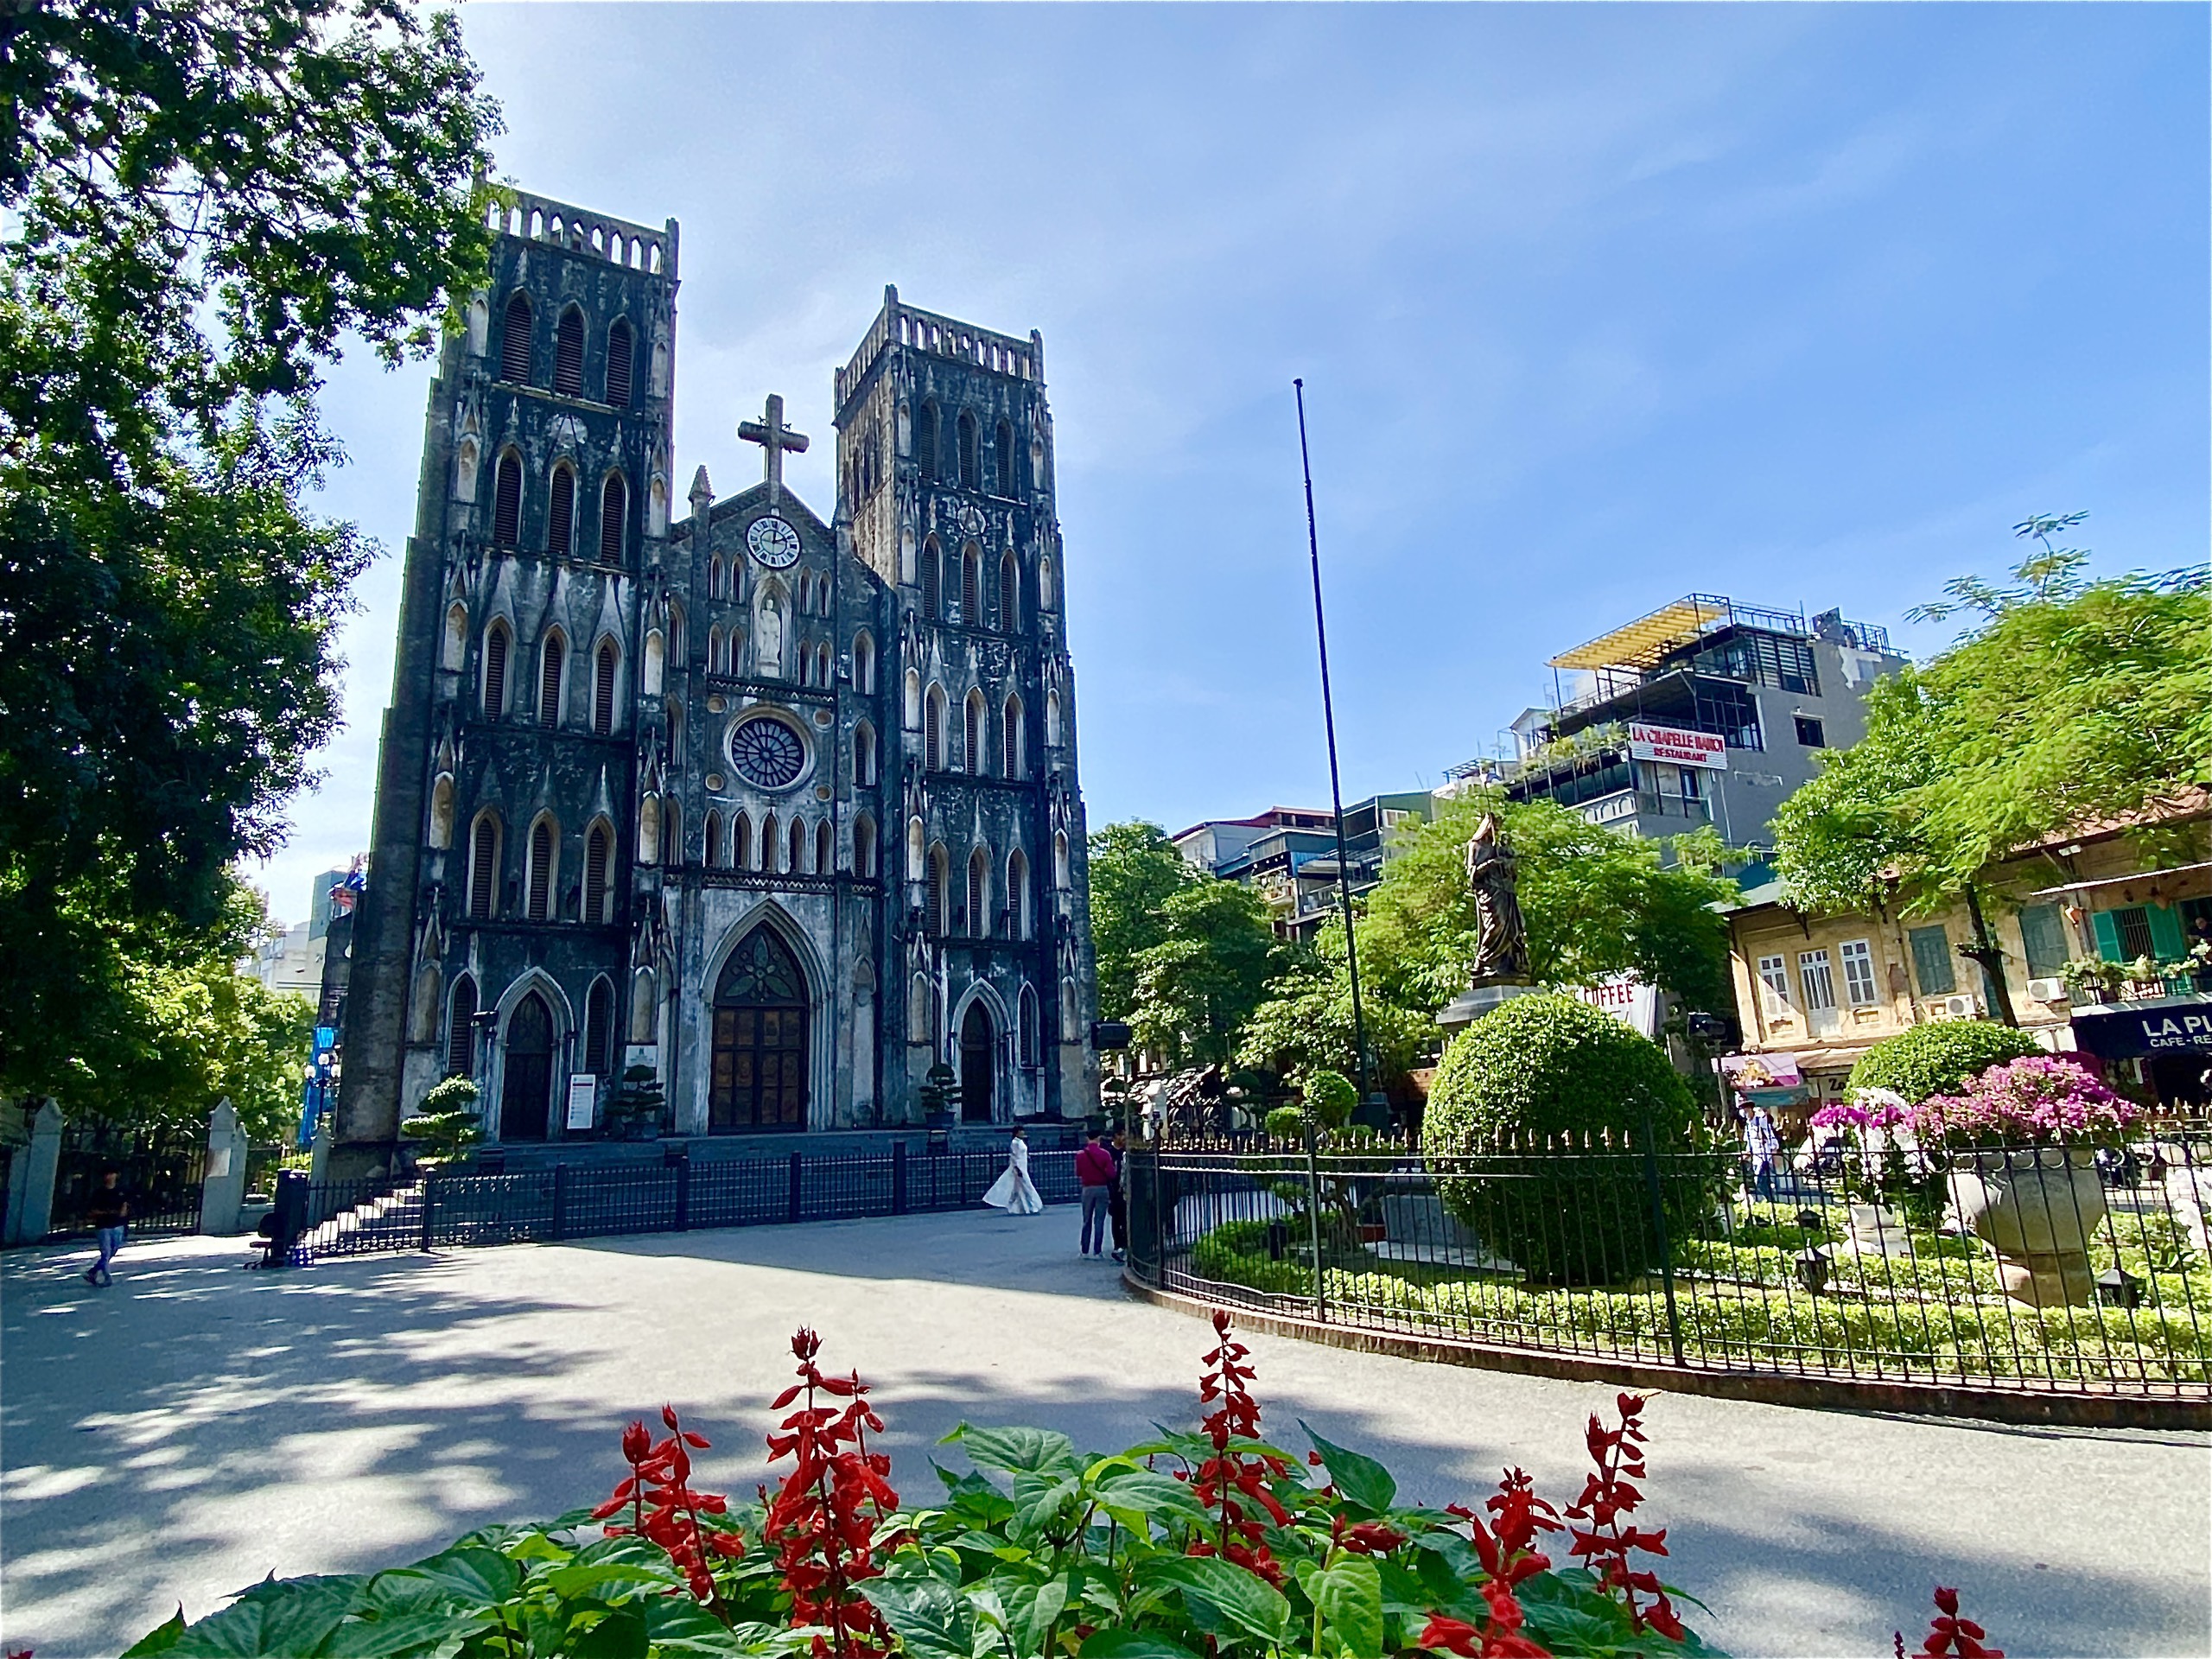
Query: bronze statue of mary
(1502, 940)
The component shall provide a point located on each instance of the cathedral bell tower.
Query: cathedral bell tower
(944, 466)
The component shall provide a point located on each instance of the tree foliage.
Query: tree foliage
(1199, 985)
(2071, 702)
(1134, 870)
(197, 205)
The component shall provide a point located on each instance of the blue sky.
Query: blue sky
(1596, 305)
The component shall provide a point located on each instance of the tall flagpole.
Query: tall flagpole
(1329, 720)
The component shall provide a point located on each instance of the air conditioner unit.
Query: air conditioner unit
(2049, 990)
(1962, 1007)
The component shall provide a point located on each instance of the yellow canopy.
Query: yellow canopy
(1643, 642)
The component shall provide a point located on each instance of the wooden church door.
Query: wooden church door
(978, 1064)
(759, 1068)
(526, 1088)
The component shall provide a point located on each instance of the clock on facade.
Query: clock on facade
(774, 543)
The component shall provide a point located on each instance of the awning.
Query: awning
(2166, 883)
(1755, 1073)
(1644, 641)
(2127, 1031)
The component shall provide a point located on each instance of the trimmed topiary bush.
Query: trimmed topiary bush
(1331, 1097)
(1940, 1058)
(1545, 1065)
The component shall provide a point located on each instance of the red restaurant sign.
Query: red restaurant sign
(1683, 748)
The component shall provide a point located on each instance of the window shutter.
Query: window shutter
(541, 871)
(507, 509)
(2167, 943)
(482, 869)
(613, 508)
(621, 355)
(2043, 940)
(602, 709)
(460, 1033)
(548, 684)
(495, 672)
(569, 355)
(514, 342)
(596, 878)
(1932, 962)
(2105, 927)
(561, 515)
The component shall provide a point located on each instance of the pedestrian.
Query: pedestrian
(1095, 1170)
(1764, 1141)
(110, 1213)
(1117, 1205)
(1013, 1192)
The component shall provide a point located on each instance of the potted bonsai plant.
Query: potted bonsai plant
(2024, 1137)
(446, 1126)
(634, 1114)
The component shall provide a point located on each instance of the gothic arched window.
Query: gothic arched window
(825, 849)
(933, 730)
(970, 460)
(442, 810)
(549, 679)
(740, 842)
(937, 896)
(864, 846)
(649, 830)
(561, 513)
(671, 835)
(1009, 593)
(972, 729)
(795, 863)
(461, 1028)
(912, 711)
(1060, 872)
(484, 867)
(1017, 894)
(971, 585)
(1051, 720)
(602, 697)
(711, 850)
(1010, 746)
(613, 509)
(514, 340)
(621, 364)
(1026, 1026)
(1007, 485)
(863, 754)
(715, 577)
(599, 1019)
(979, 894)
(456, 641)
(545, 847)
(864, 665)
(914, 860)
(495, 668)
(926, 436)
(569, 354)
(933, 580)
(598, 848)
(506, 500)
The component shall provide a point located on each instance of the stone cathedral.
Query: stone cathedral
(782, 806)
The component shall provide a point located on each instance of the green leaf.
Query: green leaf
(620, 1634)
(160, 1639)
(931, 1619)
(473, 1576)
(1349, 1596)
(401, 1634)
(1133, 1645)
(1248, 1601)
(1134, 1495)
(1031, 1610)
(1361, 1480)
(278, 1618)
(566, 1581)
(1031, 1450)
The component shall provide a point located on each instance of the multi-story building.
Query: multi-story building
(1288, 854)
(1705, 711)
(781, 808)
(1818, 990)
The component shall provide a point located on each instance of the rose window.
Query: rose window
(767, 754)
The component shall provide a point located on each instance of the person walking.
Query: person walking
(1013, 1192)
(110, 1214)
(1117, 1202)
(1095, 1170)
(1764, 1141)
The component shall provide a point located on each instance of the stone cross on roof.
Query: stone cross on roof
(773, 434)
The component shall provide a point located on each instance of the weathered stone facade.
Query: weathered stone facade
(783, 809)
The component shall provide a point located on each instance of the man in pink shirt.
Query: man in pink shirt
(1094, 1169)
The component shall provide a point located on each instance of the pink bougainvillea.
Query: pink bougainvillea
(2033, 1102)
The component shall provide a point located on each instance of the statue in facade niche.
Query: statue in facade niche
(1502, 940)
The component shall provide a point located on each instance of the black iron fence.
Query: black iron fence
(161, 1170)
(603, 1201)
(2053, 1269)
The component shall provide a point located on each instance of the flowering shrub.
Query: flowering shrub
(1216, 1542)
(2030, 1102)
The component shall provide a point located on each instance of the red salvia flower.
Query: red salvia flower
(823, 1518)
(664, 1507)
(1608, 1494)
(1234, 1486)
(1950, 1636)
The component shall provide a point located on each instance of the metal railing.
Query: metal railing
(1689, 1258)
(559, 1201)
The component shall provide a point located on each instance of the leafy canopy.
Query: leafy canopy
(2070, 702)
(1134, 869)
(1197, 987)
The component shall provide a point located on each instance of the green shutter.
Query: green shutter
(2167, 943)
(2107, 932)
(1931, 960)
(2043, 940)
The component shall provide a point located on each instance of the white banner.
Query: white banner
(1629, 1000)
(1673, 744)
(583, 1095)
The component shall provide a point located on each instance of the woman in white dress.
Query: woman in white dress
(1012, 1192)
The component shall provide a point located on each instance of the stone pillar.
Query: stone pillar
(30, 1200)
(222, 1188)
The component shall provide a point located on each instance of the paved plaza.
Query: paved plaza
(197, 1426)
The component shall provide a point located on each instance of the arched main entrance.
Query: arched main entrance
(760, 1065)
(526, 1085)
(978, 1063)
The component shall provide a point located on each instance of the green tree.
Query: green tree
(2070, 702)
(1305, 1023)
(197, 204)
(1134, 870)
(1197, 987)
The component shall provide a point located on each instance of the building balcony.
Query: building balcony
(1630, 803)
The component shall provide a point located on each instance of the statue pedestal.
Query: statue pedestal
(1484, 996)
